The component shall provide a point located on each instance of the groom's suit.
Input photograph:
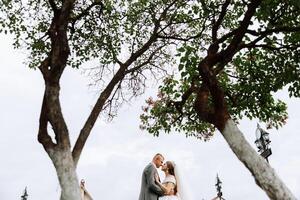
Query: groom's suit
(149, 189)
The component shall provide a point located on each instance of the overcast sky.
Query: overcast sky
(116, 153)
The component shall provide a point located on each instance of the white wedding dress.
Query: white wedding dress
(170, 179)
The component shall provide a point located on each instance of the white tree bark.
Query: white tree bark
(263, 173)
(66, 174)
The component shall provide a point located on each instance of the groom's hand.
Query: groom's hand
(156, 178)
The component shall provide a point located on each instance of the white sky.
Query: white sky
(116, 153)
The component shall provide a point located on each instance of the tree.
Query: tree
(247, 51)
(120, 38)
(219, 59)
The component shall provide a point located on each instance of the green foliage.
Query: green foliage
(105, 35)
(249, 81)
(163, 114)
(30, 22)
(112, 32)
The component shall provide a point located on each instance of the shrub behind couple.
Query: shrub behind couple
(153, 189)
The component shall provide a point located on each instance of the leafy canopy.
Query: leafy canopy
(105, 35)
(266, 60)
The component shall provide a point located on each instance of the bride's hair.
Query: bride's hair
(171, 170)
(170, 167)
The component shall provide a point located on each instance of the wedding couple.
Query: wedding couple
(84, 194)
(153, 189)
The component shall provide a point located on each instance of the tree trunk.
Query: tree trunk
(66, 173)
(264, 174)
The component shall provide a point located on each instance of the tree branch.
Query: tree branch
(266, 32)
(243, 27)
(86, 130)
(53, 6)
(272, 48)
(201, 105)
(217, 24)
(45, 68)
(226, 55)
(179, 104)
(144, 63)
(261, 34)
(85, 12)
(182, 39)
(164, 13)
(232, 98)
(54, 114)
(43, 136)
(226, 36)
(89, 124)
(204, 6)
(210, 82)
(59, 40)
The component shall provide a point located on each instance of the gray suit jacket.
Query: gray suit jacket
(149, 189)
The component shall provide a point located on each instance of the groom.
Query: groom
(149, 189)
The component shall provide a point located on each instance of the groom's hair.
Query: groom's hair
(158, 154)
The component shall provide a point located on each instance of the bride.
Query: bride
(171, 186)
